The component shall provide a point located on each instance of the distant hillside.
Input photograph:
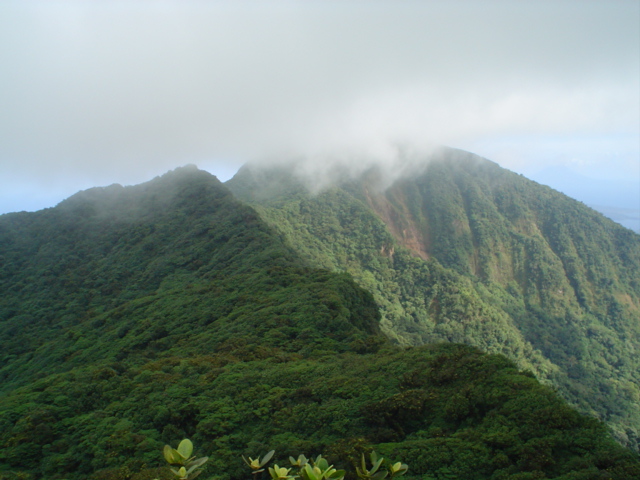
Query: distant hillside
(465, 251)
(134, 317)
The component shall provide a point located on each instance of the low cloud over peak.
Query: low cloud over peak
(97, 93)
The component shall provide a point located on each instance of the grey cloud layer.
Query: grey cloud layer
(101, 88)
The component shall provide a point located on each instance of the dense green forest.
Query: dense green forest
(134, 317)
(461, 250)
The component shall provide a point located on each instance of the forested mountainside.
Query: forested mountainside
(134, 317)
(462, 250)
(177, 248)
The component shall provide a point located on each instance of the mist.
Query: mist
(94, 93)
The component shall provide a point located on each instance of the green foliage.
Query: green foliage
(399, 401)
(280, 473)
(215, 266)
(137, 316)
(364, 473)
(465, 251)
(396, 470)
(190, 467)
(116, 279)
(256, 464)
(319, 469)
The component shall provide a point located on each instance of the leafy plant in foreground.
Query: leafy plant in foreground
(319, 469)
(280, 473)
(190, 466)
(256, 464)
(396, 470)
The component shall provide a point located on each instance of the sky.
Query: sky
(95, 92)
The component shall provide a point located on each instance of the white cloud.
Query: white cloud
(94, 93)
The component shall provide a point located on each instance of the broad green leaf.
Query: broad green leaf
(322, 463)
(300, 462)
(375, 463)
(337, 475)
(197, 462)
(172, 456)
(398, 469)
(267, 457)
(185, 448)
(311, 473)
(379, 475)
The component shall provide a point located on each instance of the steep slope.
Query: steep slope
(465, 251)
(133, 317)
(112, 273)
(128, 265)
(115, 278)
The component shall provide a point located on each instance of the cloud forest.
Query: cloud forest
(461, 319)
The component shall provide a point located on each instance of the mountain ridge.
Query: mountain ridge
(173, 310)
(562, 278)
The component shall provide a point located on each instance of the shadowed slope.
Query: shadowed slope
(173, 263)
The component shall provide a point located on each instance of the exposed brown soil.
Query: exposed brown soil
(402, 225)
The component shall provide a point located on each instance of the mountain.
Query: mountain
(180, 246)
(132, 317)
(461, 250)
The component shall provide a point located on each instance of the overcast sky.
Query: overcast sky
(97, 92)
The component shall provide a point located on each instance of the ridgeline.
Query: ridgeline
(461, 250)
(132, 317)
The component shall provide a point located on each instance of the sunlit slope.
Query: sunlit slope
(462, 250)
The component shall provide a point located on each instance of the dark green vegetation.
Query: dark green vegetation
(465, 251)
(131, 318)
(117, 274)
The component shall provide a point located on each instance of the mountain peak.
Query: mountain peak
(151, 197)
(483, 256)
